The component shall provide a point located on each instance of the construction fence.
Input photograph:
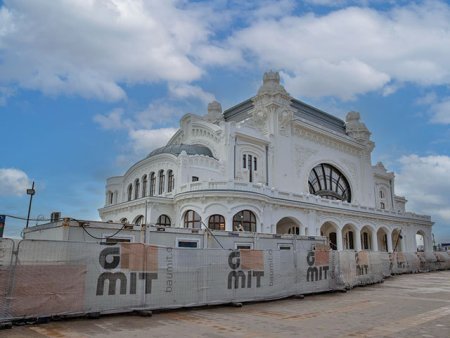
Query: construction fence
(53, 278)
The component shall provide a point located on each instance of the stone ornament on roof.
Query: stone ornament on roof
(355, 128)
(214, 112)
(271, 84)
(272, 102)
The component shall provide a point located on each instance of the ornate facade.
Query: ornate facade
(271, 164)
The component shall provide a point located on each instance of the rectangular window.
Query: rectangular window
(284, 246)
(245, 246)
(194, 178)
(187, 243)
(244, 161)
(254, 164)
(115, 240)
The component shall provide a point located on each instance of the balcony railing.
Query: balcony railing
(270, 192)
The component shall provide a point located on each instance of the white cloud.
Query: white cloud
(142, 135)
(331, 3)
(437, 107)
(13, 182)
(111, 121)
(5, 93)
(145, 140)
(354, 50)
(183, 91)
(90, 48)
(425, 181)
(441, 111)
(96, 48)
(344, 79)
(159, 112)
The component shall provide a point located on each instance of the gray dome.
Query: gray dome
(176, 149)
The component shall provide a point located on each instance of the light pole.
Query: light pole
(30, 192)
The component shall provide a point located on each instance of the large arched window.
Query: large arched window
(136, 188)
(139, 220)
(163, 221)
(216, 222)
(244, 220)
(328, 182)
(192, 219)
(144, 185)
(152, 184)
(161, 182)
(130, 191)
(170, 180)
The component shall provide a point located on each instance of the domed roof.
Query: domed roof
(176, 149)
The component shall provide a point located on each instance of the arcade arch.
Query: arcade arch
(289, 225)
(367, 238)
(397, 243)
(383, 239)
(349, 237)
(420, 241)
(330, 230)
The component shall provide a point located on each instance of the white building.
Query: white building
(271, 164)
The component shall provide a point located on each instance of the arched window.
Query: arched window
(170, 181)
(124, 221)
(244, 220)
(110, 197)
(192, 220)
(136, 188)
(383, 201)
(139, 220)
(161, 182)
(328, 182)
(152, 184)
(144, 185)
(216, 222)
(130, 191)
(163, 221)
(250, 163)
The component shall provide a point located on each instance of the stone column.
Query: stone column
(302, 230)
(339, 239)
(357, 239)
(389, 242)
(229, 223)
(374, 241)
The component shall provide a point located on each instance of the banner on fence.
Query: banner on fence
(45, 278)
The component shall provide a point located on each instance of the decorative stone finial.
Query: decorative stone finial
(271, 84)
(214, 112)
(214, 108)
(355, 128)
(381, 165)
(352, 116)
(271, 76)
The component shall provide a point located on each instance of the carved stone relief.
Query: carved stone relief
(284, 122)
(324, 140)
(302, 154)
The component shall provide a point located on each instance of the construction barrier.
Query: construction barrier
(54, 278)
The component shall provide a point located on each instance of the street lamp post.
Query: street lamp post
(30, 192)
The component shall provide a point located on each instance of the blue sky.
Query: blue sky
(89, 87)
